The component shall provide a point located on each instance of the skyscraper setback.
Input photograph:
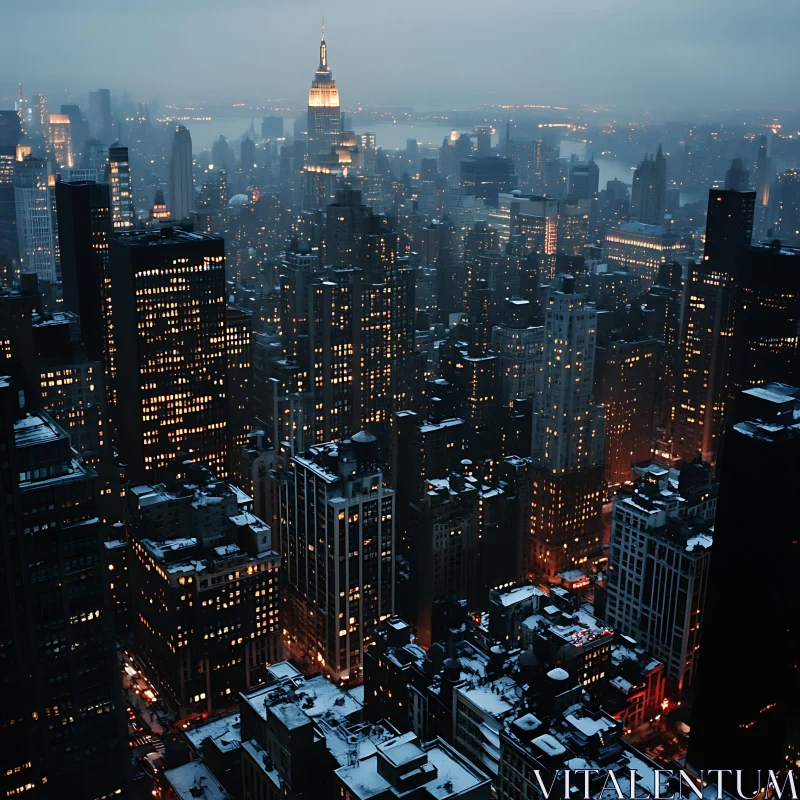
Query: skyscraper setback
(648, 197)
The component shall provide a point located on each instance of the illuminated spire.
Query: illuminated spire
(323, 50)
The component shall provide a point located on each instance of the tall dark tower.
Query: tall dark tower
(708, 325)
(649, 193)
(743, 706)
(168, 295)
(84, 225)
(62, 710)
(324, 114)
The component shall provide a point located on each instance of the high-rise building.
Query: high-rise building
(119, 178)
(658, 565)
(568, 439)
(708, 324)
(36, 225)
(625, 383)
(324, 114)
(649, 193)
(520, 352)
(238, 350)
(788, 221)
(100, 115)
(641, 249)
(78, 131)
(84, 224)
(737, 178)
(59, 142)
(168, 297)
(584, 179)
(205, 588)
(336, 532)
(759, 459)
(10, 137)
(487, 176)
(272, 128)
(181, 179)
(62, 720)
(766, 312)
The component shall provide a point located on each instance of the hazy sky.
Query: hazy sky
(423, 53)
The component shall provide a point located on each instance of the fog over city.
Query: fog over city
(448, 53)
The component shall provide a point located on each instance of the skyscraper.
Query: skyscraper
(568, 439)
(181, 179)
(10, 136)
(759, 460)
(708, 326)
(336, 529)
(788, 222)
(100, 115)
(625, 383)
(119, 177)
(84, 223)
(59, 142)
(168, 296)
(584, 179)
(36, 231)
(659, 555)
(649, 193)
(62, 713)
(324, 114)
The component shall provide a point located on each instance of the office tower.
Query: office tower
(59, 142)
(338, 556)
(362, 323)
(766, 314)
(10, 137)
(95, 158)
(584, 179)
(483, 138)
(658, 565)
(84, 223)
(119, 178)
(79, 131)
(159, 213)
(205, 587)
(248, 156)
(520, 353)
(649, 193)
(568, 439)
(62, 717)
(100, 115)
(421, 447)
(708, 325)
(788, 221)
(272, 128)
(762, 184)
(238, 350)
(168, 297)
(641, 249)
(759, 459)
(36, 231)
(737, 178)
(625, 382)
(575, 225)
(181, 179)
(324, 114)
(40, 115)
(487, 176)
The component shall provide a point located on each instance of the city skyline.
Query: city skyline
(620, 52)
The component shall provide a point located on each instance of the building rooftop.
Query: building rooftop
(34, 429)
(225, 733)
(195, 781)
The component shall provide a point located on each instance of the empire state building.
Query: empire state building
(324, 114)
